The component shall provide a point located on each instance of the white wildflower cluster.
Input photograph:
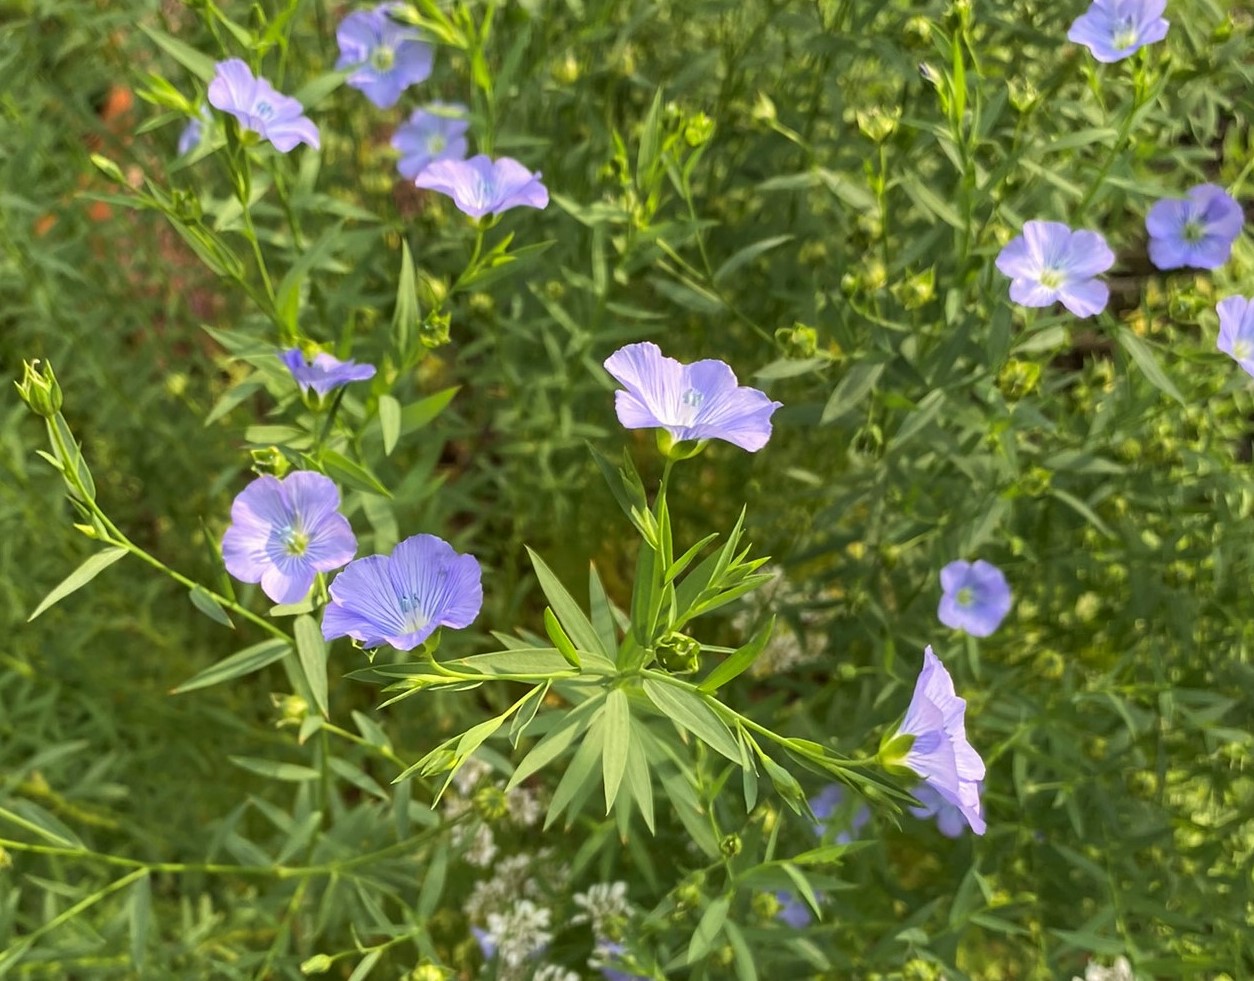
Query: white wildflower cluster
(526, 806)
(788, 648)
(471, 773)
(522, 931)
(482, 847)
(512, 879)
(554, 972)
(606, 907)
(1120, 970)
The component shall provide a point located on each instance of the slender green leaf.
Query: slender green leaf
(389, 422)
(312, 650)
(690, 712)
(617, 723)
(240, 663)
(568, 612)
(203, 600)
(740, 661)
(1140, 352)
(709, 927)
(80, 577)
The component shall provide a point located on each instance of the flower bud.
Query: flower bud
(678, 653)
(434, 330)
(490, 803)
(731, 845)
(878, 124)
(318, 964)
(698, 130)
(39, 389)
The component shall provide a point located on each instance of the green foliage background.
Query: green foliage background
(817, 197)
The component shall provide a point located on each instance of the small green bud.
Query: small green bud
(269, 460)
(490, 803)
(429, 972)
(39, 389)
(918, 290)
(731, 845)
(698, 130)
(765, 905)
(1018, 379)
(318, 964)
(1050, 665)
(678, 653)
(434, 330)
(878, 124)
(798, 341)
(292, 709)
(764, 109)
(688, 895)
(1023, 94)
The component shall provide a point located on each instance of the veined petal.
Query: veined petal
(1085, 298)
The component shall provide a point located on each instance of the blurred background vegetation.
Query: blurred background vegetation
(817, 198)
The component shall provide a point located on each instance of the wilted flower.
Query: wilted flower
(949, 817)
(694, 401)
(325, 373)
(259, 107)
(435, 132)
(1236, 330)
(401, 599)
(976, 597)
(388, 56)
(1197, 230)
(932, 742)
(284, 532)
(1114, 29)
(1049, 262)
(481, 186)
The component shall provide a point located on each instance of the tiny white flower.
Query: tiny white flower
(525, 806)
(605, 906)
(482, 849)
(468, 777)
(519, 933)
(554, 972)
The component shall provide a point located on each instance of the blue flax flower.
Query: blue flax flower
(435, 132)
(949, 817)
(194, 132)
(401, 599)
(388, 57)
(1197, 230)
(793, 911)
(1049, 262)
(938, 751)
(1236, 330)
(825, 804)
(975, 597)
(259, 107)
(694, 401)
(284, 532)
(481, 186)
(1114, 29)
(325, 373)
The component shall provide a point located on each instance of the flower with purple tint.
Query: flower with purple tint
(975, 597)
(1236, 330)
(825, 804)
(604, 954)
(695, 401)
(931, 742)
(949, 817)
(1114, 29)
(194, 132)
(1049, 262)
(1196, 231)
(436, 132)
(400, 599)
(388, 56)
(259, 107)
(482, 186)
(325, 373)
(284, 532)
(793, 911)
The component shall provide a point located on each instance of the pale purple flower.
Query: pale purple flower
(1049, 262)
(435, 132)
(826, 802)
(694, 401)
(1236, 330)
(1196, 231)
(388, 56)
(949, 817)
(401, 599)
(1114, 29)
(194, 132)
(975, 598)
(939, 752)
(283, 532)
(325, 373)
(481, 186)
(259, 107)
(793, 911)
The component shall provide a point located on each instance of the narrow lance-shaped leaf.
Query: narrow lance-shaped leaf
(80, 577)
